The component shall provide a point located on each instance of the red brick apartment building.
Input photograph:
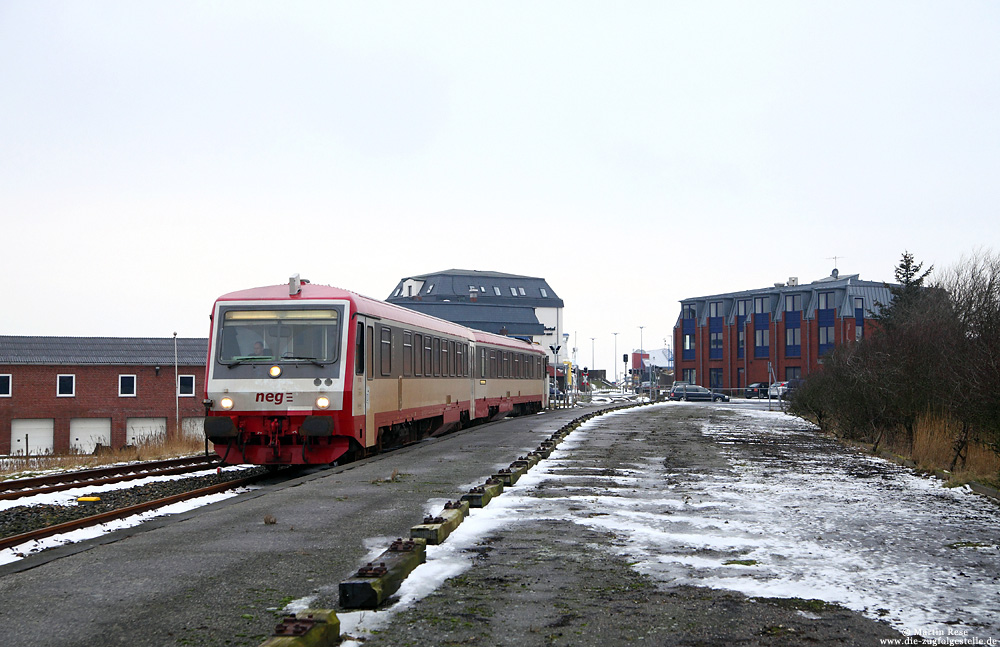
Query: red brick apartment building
(727, 341)
(61, 394)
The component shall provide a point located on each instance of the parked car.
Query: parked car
(778, 390)
(695, 393)
(757, 390)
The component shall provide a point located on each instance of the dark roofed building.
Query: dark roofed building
(60, 394)
(518, 306)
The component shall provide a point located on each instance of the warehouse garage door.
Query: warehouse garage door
(143, 431)
(86, 433)
(31, 436)
(193, 428)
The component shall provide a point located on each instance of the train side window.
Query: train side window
(428, 356)
(445, 358)
(453, 361)
(436, 356)
(385, 351)
(359, 350)
(493, 364)
(482, 363)
(407, 353)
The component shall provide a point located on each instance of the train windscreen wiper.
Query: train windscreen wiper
(249, 358)
(307, 359)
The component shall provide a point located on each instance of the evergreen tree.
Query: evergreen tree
(906, 294)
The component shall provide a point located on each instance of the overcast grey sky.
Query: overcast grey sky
(154, 155)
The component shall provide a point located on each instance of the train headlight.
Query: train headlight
(274, 371)
(322, 402)
(226, 403)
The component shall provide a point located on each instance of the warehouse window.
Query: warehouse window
(5, 386)
(66, 386)
(126, 386)
(185, 386)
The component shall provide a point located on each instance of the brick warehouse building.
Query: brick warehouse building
(63, 393)
(788, 328)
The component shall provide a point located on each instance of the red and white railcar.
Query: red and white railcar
(308, 374)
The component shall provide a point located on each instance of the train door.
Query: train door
(363, 374)
(371, 436)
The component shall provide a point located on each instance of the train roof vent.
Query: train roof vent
(295, 285)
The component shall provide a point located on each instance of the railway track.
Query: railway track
(126, 511)
(19, 488)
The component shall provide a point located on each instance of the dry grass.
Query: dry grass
(155, 449)
(933, 449)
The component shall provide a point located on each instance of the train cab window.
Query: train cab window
(300, 334)
(407, 353)
(385, 351)
(359, 350)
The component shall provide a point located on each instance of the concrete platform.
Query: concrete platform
(219, 575)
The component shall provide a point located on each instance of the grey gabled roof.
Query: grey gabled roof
(453, 285)
(102, 350)
(843, 287)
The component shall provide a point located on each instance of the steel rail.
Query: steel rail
(94, 520)
(18, 488)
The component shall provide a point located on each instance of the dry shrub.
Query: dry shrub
(934, 449)
(156, 448)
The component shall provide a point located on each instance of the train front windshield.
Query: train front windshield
(249, 336)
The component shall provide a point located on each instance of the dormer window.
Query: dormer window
(430, 288)
(545, 295)
(496, 290)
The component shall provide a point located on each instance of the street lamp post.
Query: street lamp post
(640, 359)
(177, 401)
(615, 363)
